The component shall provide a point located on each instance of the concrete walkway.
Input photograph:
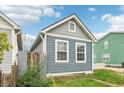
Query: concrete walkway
(121, 70)
(110, 84)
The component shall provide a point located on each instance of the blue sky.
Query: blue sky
(92, 19)
(100, 19)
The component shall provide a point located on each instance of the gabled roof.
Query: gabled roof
(15, 26)
(109, 34)
(45, 30)
(73, 16)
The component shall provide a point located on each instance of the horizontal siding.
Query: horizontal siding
(39, 47)
(7, 61)
(4, 24)
(71, 66)
(64, 30)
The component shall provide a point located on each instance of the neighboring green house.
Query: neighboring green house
(110, 49)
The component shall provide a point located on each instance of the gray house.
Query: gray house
(15, 39)
(68, 45)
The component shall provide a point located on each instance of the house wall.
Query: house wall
(39, 48)
(7, 61)
(10, 56)
(115, 48)
(64, 30)
(70, 66)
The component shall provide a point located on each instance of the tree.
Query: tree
(4, 44)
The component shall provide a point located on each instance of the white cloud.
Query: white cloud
(92, 9)
(121, 8)
(116, 22)
(28, 14)
(50, 12)
(27, 41)
(99, 35)
(105, 17)
(93, 17)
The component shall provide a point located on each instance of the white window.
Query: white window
(80, 52)
(106, 57)
(72, 26)
(105, 44)
(61, 51)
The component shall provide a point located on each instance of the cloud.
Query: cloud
(121, 8)
(28, 41)
(105, 17)
(28, 13)
(50, 12)
(116, 22)
(92, 9)
(99, 35)
(93, 17)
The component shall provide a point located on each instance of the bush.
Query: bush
(34, 78)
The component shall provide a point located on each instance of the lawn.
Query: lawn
(109, 76)
(83, 80)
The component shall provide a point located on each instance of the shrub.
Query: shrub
(34, 78)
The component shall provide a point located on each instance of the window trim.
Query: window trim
(107, 44)
(74, 26)
(61, 61)
(104, 55)
(77, 43)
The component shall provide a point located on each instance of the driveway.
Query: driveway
(121, 70)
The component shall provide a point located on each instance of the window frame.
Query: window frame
(61, 61)
(106, 46)
(74, 26)
(84, 44)
(106, 55)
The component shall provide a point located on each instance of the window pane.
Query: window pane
(80, 57)
(72, 26)
(61, 55)
(62, 46)
(80, 48)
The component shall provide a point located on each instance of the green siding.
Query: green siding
(115, 48)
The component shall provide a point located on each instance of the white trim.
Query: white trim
(67, 19)
(68, 73)
(92, 56)
(104, 55)
(84, 44)
(6, 72)
(9, 20)
(61, 61)
(45, 44)
(106, 44)
(74, 26)
(68, 37)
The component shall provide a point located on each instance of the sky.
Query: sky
(100, 19)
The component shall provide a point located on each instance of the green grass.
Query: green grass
(77, 81)
(83, 80)
(109, 76)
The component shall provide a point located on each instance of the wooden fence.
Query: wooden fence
(9, 79)
(32, 59)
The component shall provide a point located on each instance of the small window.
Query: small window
(80, 52)
(105, 44)
(72, 26)
(106, 57)
(61, 51)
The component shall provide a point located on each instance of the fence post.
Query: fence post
(0, 77)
